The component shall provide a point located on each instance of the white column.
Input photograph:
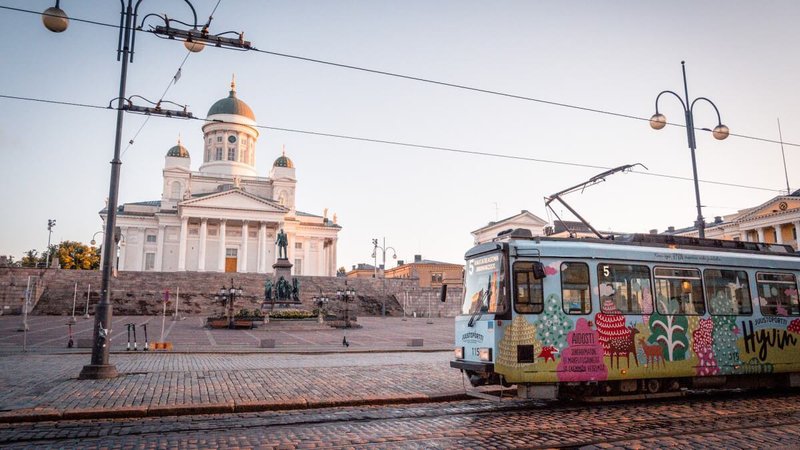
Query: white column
(760, 232)
(778, 237)
(123, 245)
(160, 247)
(201, 252)
(306, 258)
(743, 236)
(797, 235)
(320, 257)
(332, 265)
(245, 238)
(221, 257)
(262, 237)
(143, 241)
(182, 244)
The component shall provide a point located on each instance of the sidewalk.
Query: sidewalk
(377, 368)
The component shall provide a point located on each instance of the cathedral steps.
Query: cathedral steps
(134, 293)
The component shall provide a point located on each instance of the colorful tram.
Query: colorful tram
(641, 314)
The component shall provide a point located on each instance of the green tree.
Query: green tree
(30, 259)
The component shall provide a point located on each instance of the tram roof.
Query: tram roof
(655, 248)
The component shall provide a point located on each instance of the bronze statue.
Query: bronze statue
(283, 244)
(268, 290)
(296, 289)
(283, 289)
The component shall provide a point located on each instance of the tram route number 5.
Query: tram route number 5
(606, 272)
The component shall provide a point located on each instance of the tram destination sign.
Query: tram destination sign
(683, 257)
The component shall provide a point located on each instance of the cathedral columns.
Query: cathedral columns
(332, 265)
(201, 257)
(243, 256)
(322, 250)
(221, 256)
(182, 244)
(262, 247)
(120, 263)
(159, 248)
(760, 232)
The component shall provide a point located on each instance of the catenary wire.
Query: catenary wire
(40, 13)
(420, 146)
(448, 84)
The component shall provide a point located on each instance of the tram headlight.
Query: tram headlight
(459, 353)
(485, 354)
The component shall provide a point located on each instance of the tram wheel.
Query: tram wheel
(652, 385)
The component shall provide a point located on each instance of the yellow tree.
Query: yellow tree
(75, 255)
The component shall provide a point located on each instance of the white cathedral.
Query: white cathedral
(224, 217)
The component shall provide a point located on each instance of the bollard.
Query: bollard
(133, 325)
(146, 344)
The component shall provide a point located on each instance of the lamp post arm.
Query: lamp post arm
(719, 117)
(683, 104)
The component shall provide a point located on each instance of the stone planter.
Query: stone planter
(217, 323)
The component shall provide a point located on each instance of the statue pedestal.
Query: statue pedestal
(282, 268)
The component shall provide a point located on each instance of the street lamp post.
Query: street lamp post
(346, 295)
(55, 20)
(321, 301)
(50, 224)
(720, 132)
(383, 249)
(228, 296)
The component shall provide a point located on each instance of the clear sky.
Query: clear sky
(614, 56)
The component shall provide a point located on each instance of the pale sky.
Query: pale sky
(614, 56)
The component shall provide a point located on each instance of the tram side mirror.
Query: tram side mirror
(538, 271)
(443, 294)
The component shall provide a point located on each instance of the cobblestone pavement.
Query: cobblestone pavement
(50, 333)
(719, 421)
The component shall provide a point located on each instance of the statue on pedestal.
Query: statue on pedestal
(295, 289)
(283, 244)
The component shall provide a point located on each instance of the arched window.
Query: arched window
(175, 190)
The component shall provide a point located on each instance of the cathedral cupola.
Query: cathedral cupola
(229, 137)
(177, 156)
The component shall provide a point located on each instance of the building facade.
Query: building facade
(774, 221)
(224, 217)
(430, 273)
(525, 220)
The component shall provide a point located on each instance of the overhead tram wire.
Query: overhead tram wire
(171, 83)
(493, 155)
(448, 84)
(39, 13)
(420, 146)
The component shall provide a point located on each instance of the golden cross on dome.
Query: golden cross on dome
(233, 82)
(283, 150)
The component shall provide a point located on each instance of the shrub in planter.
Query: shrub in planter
(291, 314)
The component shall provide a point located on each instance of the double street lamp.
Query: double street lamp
(346, 295)
(321, 301)
(720, 132)
(383, 249)
(228, 297)
(195, 38)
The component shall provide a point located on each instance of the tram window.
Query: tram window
(528, 291)
(777, 294)
(575, 288)
(624, 288)
(679, 291)
(728, 292)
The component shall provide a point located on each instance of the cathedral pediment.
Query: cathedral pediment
(234, 199)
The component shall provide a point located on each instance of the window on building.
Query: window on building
(175, 189)
(151, 238)
(624, 288)
(575, 288)
(231, 154)
(436, 277)
(679, 291)
(777, 294)
(231, 252)
(209, 140)
(298, 266)
(208, 154)
(728, 292)
(219, 138)
(298, 245)
(219, 154)
(149, 261)
(528, 291)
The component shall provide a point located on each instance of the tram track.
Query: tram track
(451, 424)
